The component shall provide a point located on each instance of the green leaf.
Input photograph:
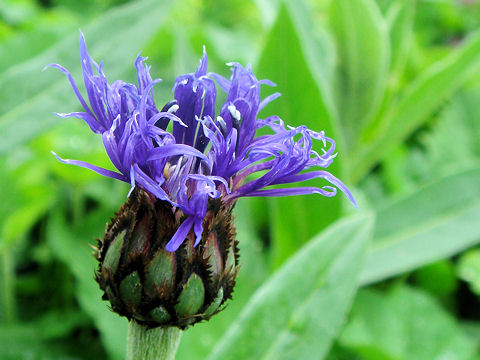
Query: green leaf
(363, 45)
(417, 103)
(21, 341)
(296, 57)
(439, 279)
(457, 124)
(469, 269)
(32, 93)
(27, 199)
(405, 324)
(400, 18)
(70, 245)
(55, 335)
(435, 222)
(298, 312)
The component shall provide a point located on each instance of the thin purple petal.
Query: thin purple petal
(97, 169)
(180, 235)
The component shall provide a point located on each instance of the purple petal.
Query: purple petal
(320, 174)
(179, 237)
(198, 230)
(74, 86)
(99, 170)
(222, 82)
(202, 67)
(173, 150)
(149, 184)
(89, 119)
(167, 115)
(268, 99)
(295, 191)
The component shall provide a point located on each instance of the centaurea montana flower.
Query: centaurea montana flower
(181, 168)
(206, 159)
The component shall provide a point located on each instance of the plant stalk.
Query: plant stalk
(7, 291)
(152, 344)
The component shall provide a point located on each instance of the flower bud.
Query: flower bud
(146, 283)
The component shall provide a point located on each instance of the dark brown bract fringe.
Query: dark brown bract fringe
(154, 287)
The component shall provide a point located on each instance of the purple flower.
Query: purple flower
(207, 155)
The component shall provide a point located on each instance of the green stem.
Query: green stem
(152, 344)
(7, 302)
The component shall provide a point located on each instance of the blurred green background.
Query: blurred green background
(395, 82)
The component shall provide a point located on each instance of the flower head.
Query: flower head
(207, 155)
(169, 257)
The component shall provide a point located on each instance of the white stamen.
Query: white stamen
(234, 112)
(222, 122)
(173, 108)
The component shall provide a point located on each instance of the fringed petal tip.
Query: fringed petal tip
(202, 66)
(97, 169)
(56, 66)
(49, 66)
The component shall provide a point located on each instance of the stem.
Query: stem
(7, 301)
(152, 344)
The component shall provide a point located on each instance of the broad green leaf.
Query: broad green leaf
(7, 294)
(49, 337)
(404, 324)
(417, 103)
(27, 199)
(472, 330)
(435, 222)
(70, 245)
(199, 340)
(21, 341)
(299, 310)
(469, 269)
(117, 37)
(400, 18)
(291, 58)
(183, 58)
(457, 124)
(363, 45)
(268, 9)
(439, 278)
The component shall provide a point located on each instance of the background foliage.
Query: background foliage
(396, 82)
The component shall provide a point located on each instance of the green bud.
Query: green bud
(213, 255)
(138, 243)
(215, 303)
(191, 298)
(131, 290)
(160, 276)
(113, 254)
(146, 283)
(231, 258)
(160, 315)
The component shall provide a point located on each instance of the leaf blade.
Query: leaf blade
(425, 226)
(419, 100)
(292, 60)
(364, 60)
(32, 92)
(274, 326)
